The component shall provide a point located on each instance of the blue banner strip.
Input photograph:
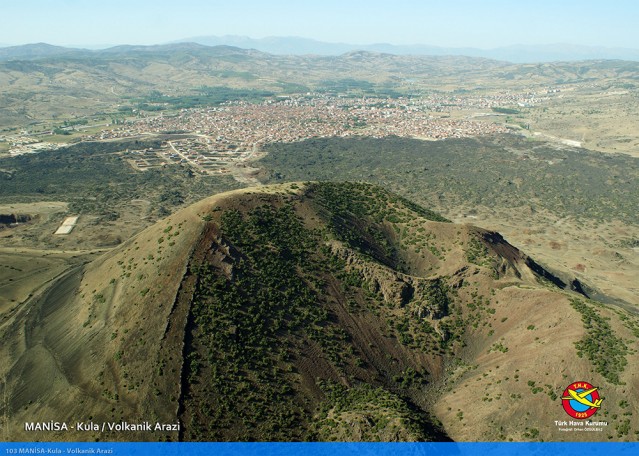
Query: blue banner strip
(320, 449)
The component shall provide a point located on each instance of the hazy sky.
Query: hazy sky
(457, 23)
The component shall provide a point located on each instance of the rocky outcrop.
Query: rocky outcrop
(424, 297)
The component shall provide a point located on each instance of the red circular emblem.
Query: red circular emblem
(581, 400)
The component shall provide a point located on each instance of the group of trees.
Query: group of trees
(494, 172)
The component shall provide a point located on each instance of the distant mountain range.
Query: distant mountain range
(305, 46)
(36, 50)
(515, 54)
(82, 75)
(45, 51)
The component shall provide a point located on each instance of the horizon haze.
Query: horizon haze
(298, 46)
(457, 24)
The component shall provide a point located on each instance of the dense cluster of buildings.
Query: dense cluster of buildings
(295, 119)
(231, 133)
(225, 136)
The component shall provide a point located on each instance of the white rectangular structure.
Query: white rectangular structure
(68, 225)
